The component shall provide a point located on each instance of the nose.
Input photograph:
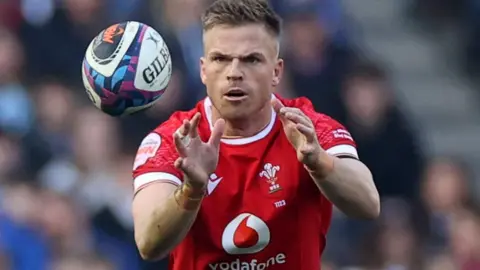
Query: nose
(234, 72)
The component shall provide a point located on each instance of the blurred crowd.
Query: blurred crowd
(459, 16)
(65, 168)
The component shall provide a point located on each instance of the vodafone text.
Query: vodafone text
(252, 265)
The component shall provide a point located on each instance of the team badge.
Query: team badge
(270, 174)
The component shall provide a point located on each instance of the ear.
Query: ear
(277, 73)
(203, 75)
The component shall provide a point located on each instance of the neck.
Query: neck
(245, 127)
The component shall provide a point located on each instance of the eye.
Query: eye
(252, 60)
(218, 58)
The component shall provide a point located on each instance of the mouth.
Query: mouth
(235, 94)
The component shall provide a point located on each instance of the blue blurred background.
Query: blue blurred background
(402, 75)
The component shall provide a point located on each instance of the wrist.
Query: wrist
(323, 166)
(194, 190)
(197, 183)
(189, 197)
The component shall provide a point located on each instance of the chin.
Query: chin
(234, 113)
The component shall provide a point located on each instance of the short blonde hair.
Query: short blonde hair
(241, 12)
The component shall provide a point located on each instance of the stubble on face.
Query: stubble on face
(245, 58)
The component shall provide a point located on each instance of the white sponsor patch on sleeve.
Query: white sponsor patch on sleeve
(342, 134)
(148, 148)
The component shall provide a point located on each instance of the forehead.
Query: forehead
(239, 40)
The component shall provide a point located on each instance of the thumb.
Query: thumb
(192, 172)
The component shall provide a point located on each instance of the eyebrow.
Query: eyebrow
(254, 54)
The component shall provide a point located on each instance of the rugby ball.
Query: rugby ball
(126, 68)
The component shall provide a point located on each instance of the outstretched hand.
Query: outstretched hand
(197, 159)
(301, 133)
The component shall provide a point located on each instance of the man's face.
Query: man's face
(11, 56)
(366, 100)
(240, 69)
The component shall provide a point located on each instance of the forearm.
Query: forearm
(168, 224)
(350, 187)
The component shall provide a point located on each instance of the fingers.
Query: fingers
(182, 165)
(185, 133)
(288, 113)
(277, 105)
(308, 132)
(184, 128)
(181, 142)
(298, 118)
(178, 163)
(194, 125)
(307, 151)
(217, 133)
(190, 127)
(295, 115)
(193, 173)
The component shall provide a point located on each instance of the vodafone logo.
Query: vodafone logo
(245, 234)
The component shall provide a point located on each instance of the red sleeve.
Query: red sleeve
(154, 160)
(334, 137)
(337, 141)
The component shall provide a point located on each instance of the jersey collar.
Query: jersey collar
(262, 134)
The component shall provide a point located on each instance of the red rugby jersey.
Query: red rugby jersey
(262, 211)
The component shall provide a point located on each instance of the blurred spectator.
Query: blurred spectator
(315, 65)
(440, 262)
(10, 15)
(465, 240)
(10, 157)
(394, 245)
(37, 12)
(81, 263)
(183, 36)
(20, 238)
(15, 107)
(4, 261)
(395, 249)
(54, 103)
(329, 14)
(91, 177)
(185, 39)
(438, 12)
(57, 47)
(386, 141)
(386, 144)
(471, 44)
(445, 195)
(445, 186)
(50, 136)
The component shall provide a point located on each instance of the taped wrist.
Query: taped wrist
(187, 197)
